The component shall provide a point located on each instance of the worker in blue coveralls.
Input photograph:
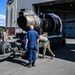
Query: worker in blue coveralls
(32, 41)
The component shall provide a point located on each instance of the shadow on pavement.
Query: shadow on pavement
(18, 60)
(65, 53)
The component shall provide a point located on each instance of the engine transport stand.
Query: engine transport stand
(7, 51)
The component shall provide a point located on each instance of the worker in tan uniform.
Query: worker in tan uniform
(46, 45)
(5, 35)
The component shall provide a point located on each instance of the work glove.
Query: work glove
(26, 48)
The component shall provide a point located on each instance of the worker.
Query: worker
(5, 35)
(32, 41)
(46, 45)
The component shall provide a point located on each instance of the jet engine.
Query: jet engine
(50, 23)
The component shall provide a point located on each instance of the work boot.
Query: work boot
(43, 57)
(33, 64)
(53, 56)
(29, 65)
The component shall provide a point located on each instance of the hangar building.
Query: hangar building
(65, 9)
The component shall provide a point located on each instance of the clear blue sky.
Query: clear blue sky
(3, 7)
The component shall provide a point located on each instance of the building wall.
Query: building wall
(69, 26)
(11, 11)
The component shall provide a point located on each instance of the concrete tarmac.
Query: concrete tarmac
(62, 64)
